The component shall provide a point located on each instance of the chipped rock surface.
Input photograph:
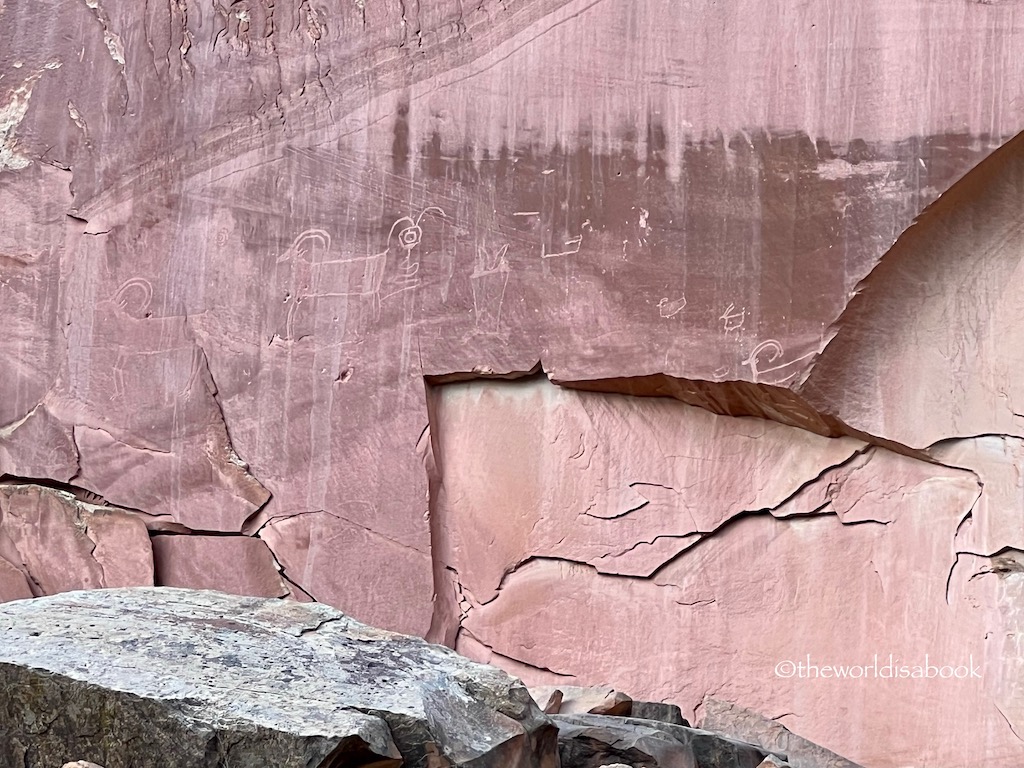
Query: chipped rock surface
(744, 725)
(622, 484)
(588, 741)
(568, 699)
(207, 679)
(57, 543)
(251, 254)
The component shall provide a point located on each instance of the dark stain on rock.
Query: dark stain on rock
(464, 167)
(721, 216)
(435, 164)
(400, 144)
(858, 152)
(502, 167)
(656, 145)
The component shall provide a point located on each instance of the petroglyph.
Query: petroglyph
(733, 319)
(489, 280)
(765, 367)
(317, 275)
(667, 308)
(134, 296)
(574, 248)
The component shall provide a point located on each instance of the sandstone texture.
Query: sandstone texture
(193, 678)
(637, 570)
(645, 344)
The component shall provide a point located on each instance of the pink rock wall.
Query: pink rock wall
(682, 554)
(236, 243)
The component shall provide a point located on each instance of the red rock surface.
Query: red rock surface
(234, 564)
(246, 250)
(59, 544)
(859, 561)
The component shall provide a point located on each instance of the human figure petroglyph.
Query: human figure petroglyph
(409, 238)
(117, 389)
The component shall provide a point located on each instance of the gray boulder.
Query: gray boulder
(132, 678)
(590, 741)
(656, 710)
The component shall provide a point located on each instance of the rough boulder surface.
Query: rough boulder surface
(186, 679)
(661, 345)
(589, 741)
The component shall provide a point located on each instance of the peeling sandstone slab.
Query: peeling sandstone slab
(995, 523)
(38, 446)
(61, 544)
(203, 678)
(622, 483)
(196, 481)
(865, 557)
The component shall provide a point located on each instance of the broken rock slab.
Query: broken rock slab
(602, 700)
(660, 711)
(740, 723)
(590, 741)
(208, 679)
(59, 543)
(575, 699)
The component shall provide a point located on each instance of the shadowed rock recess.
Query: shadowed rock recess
(648, 344)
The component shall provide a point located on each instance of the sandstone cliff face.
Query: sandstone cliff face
(251, 255)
